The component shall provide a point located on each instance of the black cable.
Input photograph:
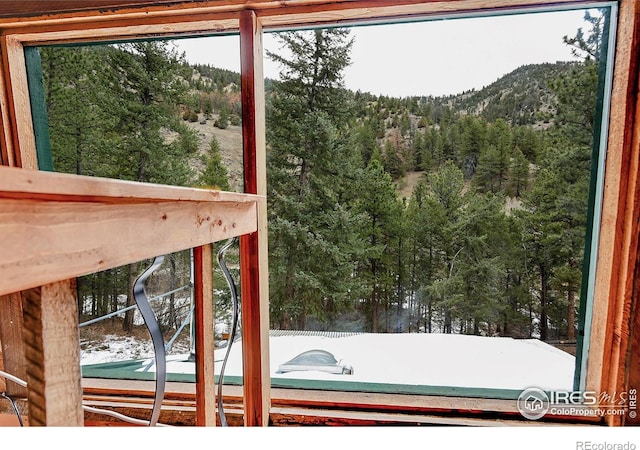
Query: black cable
(15, 407)
(234, 324)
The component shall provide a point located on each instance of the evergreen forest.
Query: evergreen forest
(467, 213)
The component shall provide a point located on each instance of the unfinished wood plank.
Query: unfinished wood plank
(53, 355)
(45, 241)
(122, 14)
(22, 184)
(7, 157)
(624, 364)
(16, 151)
(129, 29)
(614, 249)
(253, 248)
(204, 325)
(49, 6)
(18, 102)
(292, 12)
(312, 407)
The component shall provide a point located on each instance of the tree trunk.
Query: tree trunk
(374, 310)
(173, 317)
(127, 323)
(544, 291)
(81, 282)
(94, 295)
(114, 290)
(571, 315)
(447, 322)
(399, 289)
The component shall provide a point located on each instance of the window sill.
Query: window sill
(294, 407)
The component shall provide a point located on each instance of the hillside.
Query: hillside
(522, 97)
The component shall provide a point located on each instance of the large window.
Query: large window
(446, 229)
(411, 211)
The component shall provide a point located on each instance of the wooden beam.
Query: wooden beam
(360, 11)
(11, 309)
(625, 358)
(315, 407)
(85, 225)
(192, 26)
(33, 185)
(53, 355)
(20, 125)
(616, 249)
(204, 324)
(35, 7)
(253, 247)
(7, 157)
(275, 13)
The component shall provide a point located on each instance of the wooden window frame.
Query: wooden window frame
(610, 346)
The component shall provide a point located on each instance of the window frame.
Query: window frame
(616, 249)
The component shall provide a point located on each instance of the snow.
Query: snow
(407, 359)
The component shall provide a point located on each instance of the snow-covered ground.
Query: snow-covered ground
(407, 359)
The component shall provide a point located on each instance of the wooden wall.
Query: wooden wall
(614, 343)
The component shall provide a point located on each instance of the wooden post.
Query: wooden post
(608, 345)
(18, 104)
(624, 369)
(11, 309)
(52, 344)
(203, 314)
(253, 247)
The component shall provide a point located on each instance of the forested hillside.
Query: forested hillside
(486, 237)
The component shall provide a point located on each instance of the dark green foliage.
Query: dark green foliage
(215, 174)
(213, 78)
(490, 241)
(222, 121)
(80, 125)
(313, 232)
(381, 230)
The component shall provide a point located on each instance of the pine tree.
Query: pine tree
(146, 89)
(381, 231)
(446, 188)
(215, 172)
(310, 169)
(79, 118)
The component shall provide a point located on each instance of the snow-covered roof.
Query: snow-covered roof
(434, 359)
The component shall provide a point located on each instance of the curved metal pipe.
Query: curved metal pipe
(140, 295)
(234, 323)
